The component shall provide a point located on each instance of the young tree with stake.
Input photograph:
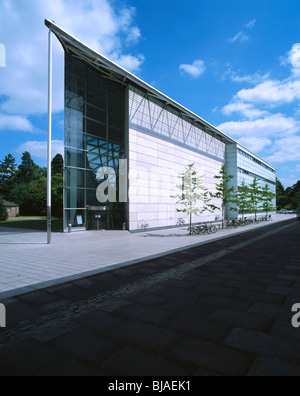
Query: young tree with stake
(255, 196)
(194, 197)
(225, 192)
(267, 199)
(242, 199)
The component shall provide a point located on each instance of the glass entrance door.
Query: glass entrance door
(98, 219)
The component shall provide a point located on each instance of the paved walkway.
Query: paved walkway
(28, 263)
(223, 308)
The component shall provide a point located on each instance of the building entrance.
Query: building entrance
(98, 218)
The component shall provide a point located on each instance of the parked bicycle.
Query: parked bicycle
(144, 226)
(180, 222)
(202, 229)
(231, 224)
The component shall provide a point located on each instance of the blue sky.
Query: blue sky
(234, 63)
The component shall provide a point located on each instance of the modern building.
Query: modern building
(115, 120)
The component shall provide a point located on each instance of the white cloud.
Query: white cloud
(196, 69)
(286, 150)
(245, 109)
(272, 125)
(39, 149)
(15, 123)
(295, 56)
(272, 92)
(255, 144)
(251, 24)
(241, 37)
(250, 78)
(293, 59)
(95, 22)
(255, 78)
(130, 62)
(134, 35)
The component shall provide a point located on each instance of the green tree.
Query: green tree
(293, 196)
(267, 199)
(193, 196)
(255, 196)
(281, 198)
(242, 199)
(224, 192)
(57, 195)
(7, 173)
(38, 192)
(3, 211)
(20, 194)
(57, 165)
(28, 170)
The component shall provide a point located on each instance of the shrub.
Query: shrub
(3, 211)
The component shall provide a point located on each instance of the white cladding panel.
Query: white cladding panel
(154, 165)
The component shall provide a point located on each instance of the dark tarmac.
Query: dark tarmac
(220, 309)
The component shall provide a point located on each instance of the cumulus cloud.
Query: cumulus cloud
(130, 62)
(39, 149)
(196, 69)
(286, 150)
(15, 123)
(293, 59)
(255, 144)
(270, 126)
(245, 109)
(272, 92)
(260, 128)
(95, 22)
(295, 56)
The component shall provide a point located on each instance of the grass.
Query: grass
(38, 223)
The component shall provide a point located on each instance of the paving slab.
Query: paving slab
(28, 263)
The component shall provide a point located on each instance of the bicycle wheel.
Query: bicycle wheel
(202, 230)
(213, 229)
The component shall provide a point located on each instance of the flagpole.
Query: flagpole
(49, 138)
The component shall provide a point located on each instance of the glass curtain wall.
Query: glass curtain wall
(94, 138)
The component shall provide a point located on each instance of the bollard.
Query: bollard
(124, 226)
(69, 228)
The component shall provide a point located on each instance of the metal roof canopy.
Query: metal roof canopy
(116, 73)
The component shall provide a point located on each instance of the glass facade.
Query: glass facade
(250, 167)
(94, 138)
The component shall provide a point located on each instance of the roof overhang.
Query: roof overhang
(116, 73)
